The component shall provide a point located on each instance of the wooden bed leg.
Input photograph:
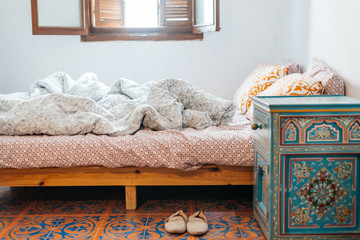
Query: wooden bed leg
(130, 197)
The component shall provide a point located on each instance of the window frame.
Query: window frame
(49, 30)
(89, 32)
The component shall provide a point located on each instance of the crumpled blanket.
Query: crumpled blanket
(59, 105)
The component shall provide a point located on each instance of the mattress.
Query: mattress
(189, 149)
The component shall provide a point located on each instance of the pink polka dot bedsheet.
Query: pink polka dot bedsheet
(189, 149)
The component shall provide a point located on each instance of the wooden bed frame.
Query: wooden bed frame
(130, 177)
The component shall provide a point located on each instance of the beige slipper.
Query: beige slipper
(197, 224)
(176, 223)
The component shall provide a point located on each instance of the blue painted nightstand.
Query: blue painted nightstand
(307, 158)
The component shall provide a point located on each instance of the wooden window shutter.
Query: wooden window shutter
(109, 13)
(176, 12)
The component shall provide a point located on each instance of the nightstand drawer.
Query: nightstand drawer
(320, 194)
(315, 130)
(261, 133)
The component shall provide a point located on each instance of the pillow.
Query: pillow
(291, 85)
(258, 82)
(293, 67)
(258, 69)
(332, 82)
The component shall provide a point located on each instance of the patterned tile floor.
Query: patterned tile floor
(99, 212)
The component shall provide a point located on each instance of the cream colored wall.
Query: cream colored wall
(335, 38)
(252, 32)
(327, 29)
(295, 22)
(218, 64)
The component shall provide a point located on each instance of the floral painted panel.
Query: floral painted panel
(321, 193)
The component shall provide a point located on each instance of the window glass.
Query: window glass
(59, 13)
(141, 13)
(204, 14)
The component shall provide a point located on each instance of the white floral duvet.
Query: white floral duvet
(59, 105)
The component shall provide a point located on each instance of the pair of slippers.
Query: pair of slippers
(179, 223)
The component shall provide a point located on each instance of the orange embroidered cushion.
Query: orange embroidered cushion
(292, 85)
(295, 85)
(258, 83)
(262, 67)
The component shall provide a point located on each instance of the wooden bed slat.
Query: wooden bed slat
(130, 176)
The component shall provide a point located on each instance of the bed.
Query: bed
(214, 156)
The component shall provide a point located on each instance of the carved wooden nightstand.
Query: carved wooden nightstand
(307, 157)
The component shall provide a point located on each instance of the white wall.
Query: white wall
(295, 25)
(250, 34)
(335, 38)
(327, 29)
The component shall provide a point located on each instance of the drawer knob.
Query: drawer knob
(255, 126)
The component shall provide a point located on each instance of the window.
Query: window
(107, 20)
